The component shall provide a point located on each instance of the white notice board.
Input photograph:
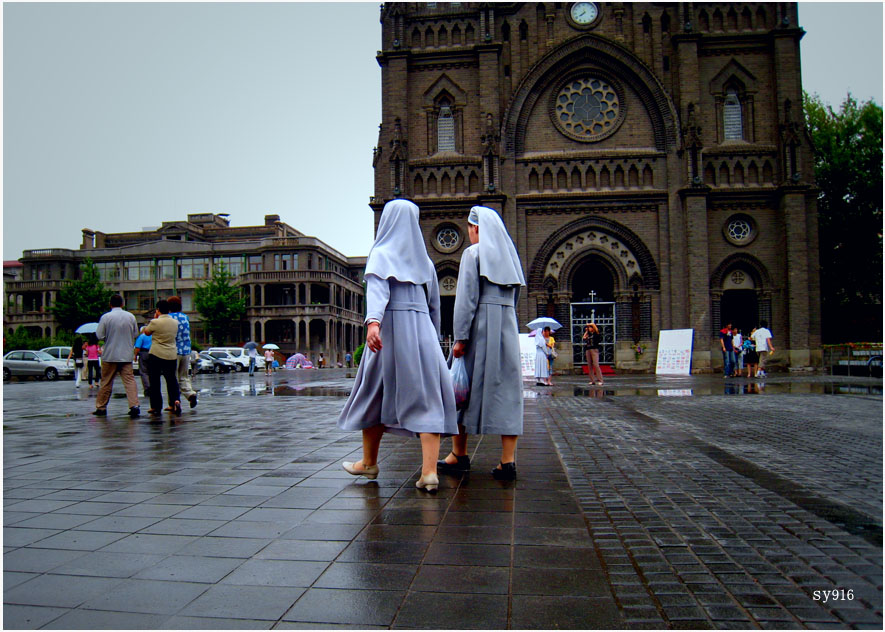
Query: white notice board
(527, 355)
(674, 352)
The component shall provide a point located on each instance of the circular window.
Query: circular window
(447, 285)
(588, 108)
(740, 230)
(448, 239)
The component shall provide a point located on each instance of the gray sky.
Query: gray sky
(121, 116)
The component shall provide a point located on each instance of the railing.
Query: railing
(861, 359)
(48, 252)
(296, 276)
(298, 311)
(20, 286)
(28, 317)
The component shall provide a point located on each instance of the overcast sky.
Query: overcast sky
(122, 116)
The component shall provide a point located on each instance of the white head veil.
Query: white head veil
(399, 249)
(498, 261)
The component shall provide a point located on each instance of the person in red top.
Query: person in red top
(93, 353)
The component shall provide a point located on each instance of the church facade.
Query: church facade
(649, 160)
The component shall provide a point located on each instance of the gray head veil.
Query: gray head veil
(399, 251)
(498, 261)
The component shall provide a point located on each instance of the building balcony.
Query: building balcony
(298, 276)
(302, 311)
(36, 286)
(28, 318)
(48, 252)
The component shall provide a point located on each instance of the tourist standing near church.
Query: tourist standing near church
(403, 384)
(183, 350)
(487, 338)
(118, 329)
(764, 348)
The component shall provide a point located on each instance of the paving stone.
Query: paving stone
(258, 572)
(356, 607)
(58, 591)
(147, 596)
(103, 620)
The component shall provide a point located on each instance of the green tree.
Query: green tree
(84, 300)
(220, 303)
(848, 171)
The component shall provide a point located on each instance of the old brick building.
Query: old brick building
(649, 160)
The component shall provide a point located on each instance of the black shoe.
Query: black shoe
(507, 472)
(100, 412)
(176, 408)
(135, 411)
(193, 400)
(461, 467)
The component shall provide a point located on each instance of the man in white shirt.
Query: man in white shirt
(764, 348)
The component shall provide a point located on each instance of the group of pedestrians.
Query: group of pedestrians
(403, 384)
(751, 352)
(162, 348)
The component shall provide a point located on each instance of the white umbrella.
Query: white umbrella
(88, 328)
(270, 345)
(544, 321)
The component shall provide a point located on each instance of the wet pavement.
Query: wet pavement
(648, 503)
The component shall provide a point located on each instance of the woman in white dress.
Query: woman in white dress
(403, 384)
(487, 337)
(542, 370)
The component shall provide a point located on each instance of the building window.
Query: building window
(254, 263)
(587, 108)
(732, 120)
(445, 129)
(740, 229)
(140, 301)
(193, 268)
(285, 261)
(447, 238)
(310, 261)
(139, 270)
(108, 271)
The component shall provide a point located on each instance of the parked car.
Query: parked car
(240, 357)
(37, 364)
(215, 362)
(59, 353)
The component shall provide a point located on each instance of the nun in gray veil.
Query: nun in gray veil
(487, 337)
(403, 384)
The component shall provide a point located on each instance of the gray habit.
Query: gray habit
(406, 386)
(485, 317)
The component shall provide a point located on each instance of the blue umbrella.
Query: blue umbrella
(88, 328)
(250, 345)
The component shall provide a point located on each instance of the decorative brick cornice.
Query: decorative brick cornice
(598, 51)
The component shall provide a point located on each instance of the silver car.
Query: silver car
(35, 363)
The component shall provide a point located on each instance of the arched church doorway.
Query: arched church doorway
(593, 300)
(448, 281)
(741, 308)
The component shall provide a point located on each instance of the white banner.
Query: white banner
(674, 352)
(527, 355)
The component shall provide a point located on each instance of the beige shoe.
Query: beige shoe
(369, 471)
(429, 482)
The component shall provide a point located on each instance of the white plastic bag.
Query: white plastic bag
(460, 382)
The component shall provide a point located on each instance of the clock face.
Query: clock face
(584, 12)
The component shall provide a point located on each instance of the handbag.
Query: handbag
(461, 383)
(553, 353)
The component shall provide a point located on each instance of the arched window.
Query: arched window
(445, 128)
(731, 117)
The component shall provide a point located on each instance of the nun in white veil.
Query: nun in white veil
(487, 338)
(403, 384)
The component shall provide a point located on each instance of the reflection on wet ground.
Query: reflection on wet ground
(694, 389)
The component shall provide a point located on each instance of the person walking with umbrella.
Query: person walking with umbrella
(251, 349)
(269, 358)
(487, 337)
(542, 328)
(403, 384)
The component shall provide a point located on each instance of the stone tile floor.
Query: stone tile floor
(724, 509)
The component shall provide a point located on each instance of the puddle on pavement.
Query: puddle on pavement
(753, 388)
(309, 391)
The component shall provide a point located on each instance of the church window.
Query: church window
(740, 229)
(587, 109)
(732, 123)
(447, 239)
(445, 129)
(523, 31)
(505, 32)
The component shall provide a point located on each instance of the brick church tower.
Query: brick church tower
(649, 160)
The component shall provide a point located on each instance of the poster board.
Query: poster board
(527, 355)
(674, 352)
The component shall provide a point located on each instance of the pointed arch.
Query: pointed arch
(576, 178)
(591, 49)
(561, 179)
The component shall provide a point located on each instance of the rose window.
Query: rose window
(448, 238)
(739, 229)
(587, 109)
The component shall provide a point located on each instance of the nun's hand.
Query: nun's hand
(459, 349)
(373, 337)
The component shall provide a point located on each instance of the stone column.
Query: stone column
(698, 282)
